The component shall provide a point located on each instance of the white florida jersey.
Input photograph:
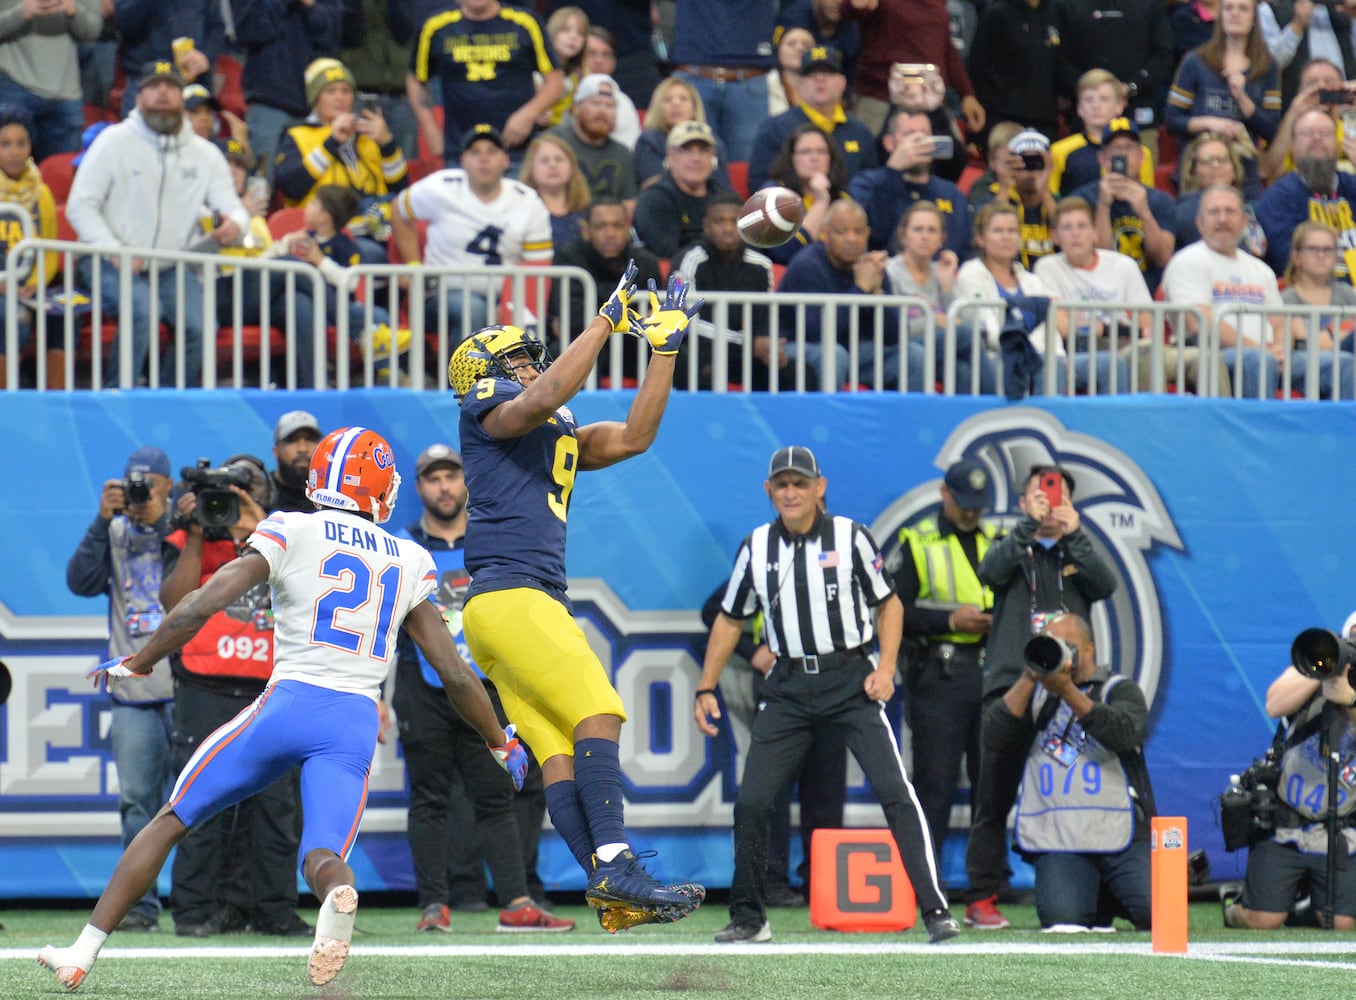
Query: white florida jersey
(341, 588)
(463, 231)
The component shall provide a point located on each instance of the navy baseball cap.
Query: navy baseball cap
(147, 458)
(1120, 126)
(794, 459)
(970, 485)
(477, 132)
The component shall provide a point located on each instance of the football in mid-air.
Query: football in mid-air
(770, 217)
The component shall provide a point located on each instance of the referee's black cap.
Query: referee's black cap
(794, 458)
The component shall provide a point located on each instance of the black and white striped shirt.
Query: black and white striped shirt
(816, 590)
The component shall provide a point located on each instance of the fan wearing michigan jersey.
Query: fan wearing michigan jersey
(341, 588)
(521, 450)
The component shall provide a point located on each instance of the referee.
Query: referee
(817, 579)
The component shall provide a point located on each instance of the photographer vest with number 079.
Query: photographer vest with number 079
(1075, 795)
(236, 642)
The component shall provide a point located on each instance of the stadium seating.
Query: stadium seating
(58, 172)
(739, 176)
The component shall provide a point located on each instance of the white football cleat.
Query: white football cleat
(65, 965)
(333, 931)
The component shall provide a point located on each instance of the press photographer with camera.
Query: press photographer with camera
(1297, 821)
(1045, 565)
(121, 555)
(240, 866)
(1085, 800)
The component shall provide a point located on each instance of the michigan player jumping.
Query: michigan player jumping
(342, 588)
(522, 449)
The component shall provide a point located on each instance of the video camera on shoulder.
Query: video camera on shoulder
(218, 507)
(1321, 654)
(1046, 655)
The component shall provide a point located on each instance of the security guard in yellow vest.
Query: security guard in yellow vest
(947, 613)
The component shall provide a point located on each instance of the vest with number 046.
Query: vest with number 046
(1087, 807)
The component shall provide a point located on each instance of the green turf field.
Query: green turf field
(390, 961)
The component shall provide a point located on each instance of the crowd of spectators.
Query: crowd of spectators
(1136, 108)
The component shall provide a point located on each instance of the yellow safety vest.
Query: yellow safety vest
(945, 575)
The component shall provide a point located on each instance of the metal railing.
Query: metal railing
(252, 313)
(1325, 373)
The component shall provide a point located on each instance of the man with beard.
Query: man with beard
(439, 744)
(294, 439)
(148, 185)
(885, 192)
(1314, 191)
(606, 164)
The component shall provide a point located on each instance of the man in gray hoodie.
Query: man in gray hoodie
(144, 185)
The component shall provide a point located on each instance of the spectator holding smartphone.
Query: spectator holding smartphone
(343, 145)
(1132, 219)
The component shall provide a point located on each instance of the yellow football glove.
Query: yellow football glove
(617, 309)
(666, 325)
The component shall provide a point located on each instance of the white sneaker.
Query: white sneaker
(66, 965)
(1064, 929)
(333, 931)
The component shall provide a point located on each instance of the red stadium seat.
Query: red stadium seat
(284, 221)
(230, 90)
(739, 176)
(968, 176)
(57, 173)
(1163, 178)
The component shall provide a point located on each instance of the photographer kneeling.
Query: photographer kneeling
(1320, 711)
(1085, 801)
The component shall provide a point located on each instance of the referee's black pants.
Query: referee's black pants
(438, 743)
(796, 705)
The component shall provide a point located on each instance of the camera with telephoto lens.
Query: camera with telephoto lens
(135, 488)
(218, 507)
(1046, 655)
(1321, 654)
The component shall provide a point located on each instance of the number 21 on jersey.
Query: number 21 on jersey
(353, 591)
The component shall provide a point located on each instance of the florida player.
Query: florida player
(342, 586)
(521, 450)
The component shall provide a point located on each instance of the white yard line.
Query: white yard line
(1221, 951)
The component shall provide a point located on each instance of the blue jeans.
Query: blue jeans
(966, 360)
(141, 320)
(466, 312)
(1258, 365)
(142, 753)
(1068, 884)
(866, 365)
(734, 110)
(267, 126)
(813, 360)
(395, 108)
(57, 124)
(1299, 374)
(1106, 360)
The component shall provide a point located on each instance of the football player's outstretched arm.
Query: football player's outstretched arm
(188, 615)
(608, 442)
(464, 689)
(567, 374)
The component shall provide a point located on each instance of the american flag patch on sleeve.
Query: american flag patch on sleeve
(828, 559)
(878, 563)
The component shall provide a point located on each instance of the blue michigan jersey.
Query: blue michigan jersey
(519, 494)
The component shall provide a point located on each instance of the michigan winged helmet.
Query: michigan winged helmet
(494, 352)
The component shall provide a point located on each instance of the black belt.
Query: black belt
(822, 662)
